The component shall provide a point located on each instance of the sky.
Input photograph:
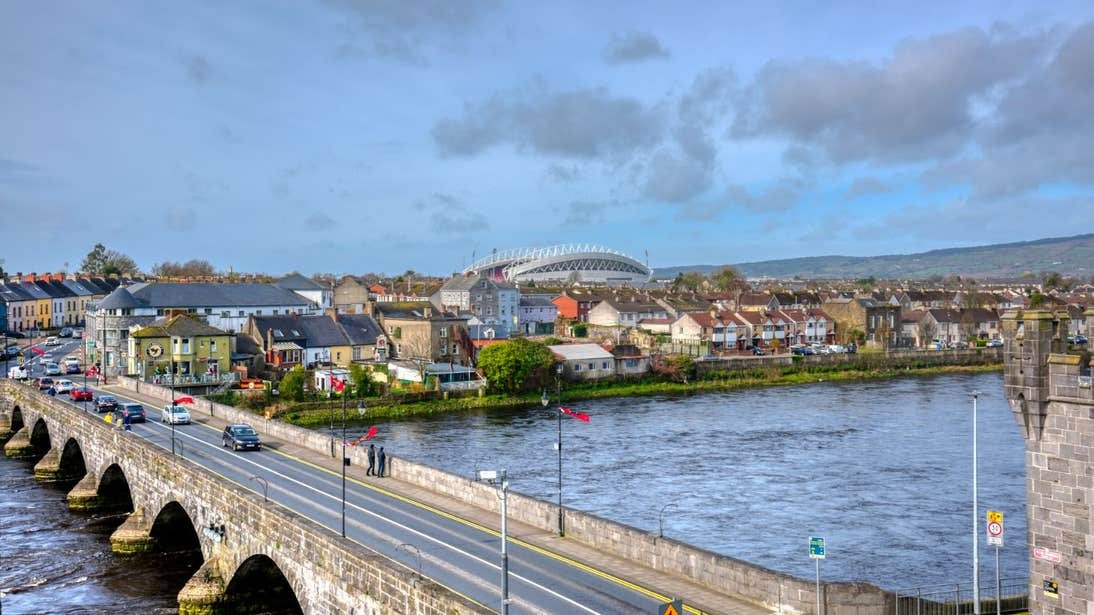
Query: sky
(354, 136)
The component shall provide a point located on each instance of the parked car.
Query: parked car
(175, 415)
(994, 344)
(65, 332)
(136, 412)
(106, 403)
(756, 350)
(241, 437)
(961, 345)
(81, 394)
(77, 332)
(802, 350)
(44, 383)
(13, 350)
(836, 349)
(1080, 339)
(819, 348)
(63, 386)
(52, 369)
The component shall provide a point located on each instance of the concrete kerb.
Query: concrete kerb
(720, 573)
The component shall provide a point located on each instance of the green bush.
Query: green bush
(292, 384)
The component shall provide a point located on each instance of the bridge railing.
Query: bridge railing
(957, 598)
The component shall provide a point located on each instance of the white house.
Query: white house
(584, 361)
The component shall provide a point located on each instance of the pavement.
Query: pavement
(698, 598)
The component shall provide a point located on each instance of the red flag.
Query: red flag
(581, 416)
(38, 351)
(337, 384)
(371, 433)
(185, 399)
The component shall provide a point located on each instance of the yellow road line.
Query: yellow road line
(469, 523)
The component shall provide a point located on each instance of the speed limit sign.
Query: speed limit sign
(995, 528)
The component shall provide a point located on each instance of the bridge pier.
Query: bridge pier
(85, 495)
(48, 467)
(5, 423)
(133, 536)
(19, 446)
(204, 593)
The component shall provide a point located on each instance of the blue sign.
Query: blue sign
(816, 547)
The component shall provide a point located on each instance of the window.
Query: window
(275, 312)
(241, 313)
(185, 345)
(444, 349)
(338, 356)
(208, 310)
(356, 353)
(258, 312)
(455, 349)
(399, 349)
(577, 367)
(159, 311)
(443, 332)
(592, 366)
(212, 346)
(604, 365)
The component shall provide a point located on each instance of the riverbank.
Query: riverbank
(319, 414)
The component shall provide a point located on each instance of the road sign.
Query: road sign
(91, 344)
(1047, 555)
(1051, 589)
(676, 607)
(816, 547)
(995, 528)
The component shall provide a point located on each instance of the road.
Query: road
(455, 552)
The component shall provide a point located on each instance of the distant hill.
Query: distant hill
(1072, 256)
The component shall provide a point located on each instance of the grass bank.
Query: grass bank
(315, 414)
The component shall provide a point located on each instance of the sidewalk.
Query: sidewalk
(705, 599)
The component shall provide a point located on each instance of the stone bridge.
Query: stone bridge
(255, 555)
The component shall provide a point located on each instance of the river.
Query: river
(882, 469)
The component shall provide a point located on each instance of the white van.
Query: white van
(18, 372)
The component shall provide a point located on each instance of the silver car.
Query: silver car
(175, 415)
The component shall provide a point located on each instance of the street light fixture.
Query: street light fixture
(498, 479)
(661, 519)
(558, 443)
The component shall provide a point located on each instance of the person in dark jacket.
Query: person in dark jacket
(382, 458)
(371, 460)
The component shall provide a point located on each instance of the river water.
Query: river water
(881, 469)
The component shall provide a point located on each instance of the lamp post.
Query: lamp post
(498, 478)
(661, 519)
(558, 443)
(345, 460)
(975, 519)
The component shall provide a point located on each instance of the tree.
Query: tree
(192, 268)
(100, 261)
(1051, 279)
(690, 280)
(516, 365)
(1036, 299)
(679, 368)
(928, 330)
(727, 279)
(362, 380)
(292, 384)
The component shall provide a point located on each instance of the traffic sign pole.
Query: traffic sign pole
(995, 537)
(817, 553)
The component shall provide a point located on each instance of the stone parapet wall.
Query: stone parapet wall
(719, 572)
(897, 359)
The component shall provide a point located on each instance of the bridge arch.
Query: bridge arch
(259, 586)
(114, 491)
(72, 464)
(16, 418)
(39, 437)
(174, 531)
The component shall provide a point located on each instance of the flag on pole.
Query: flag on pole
(185, 399)
(581, 416)
(38, 351)
(337, 384)
(371, 433)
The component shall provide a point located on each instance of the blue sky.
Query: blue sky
(353, 136)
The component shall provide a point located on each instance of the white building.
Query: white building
(584, 361)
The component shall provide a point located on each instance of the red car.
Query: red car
(81, 394)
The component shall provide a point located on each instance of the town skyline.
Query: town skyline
(414, 135)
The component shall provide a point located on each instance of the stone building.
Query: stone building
(878, 321)
(1049, 391)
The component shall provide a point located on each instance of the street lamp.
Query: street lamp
(975, 519)
(661, 519)
(558, 443)
(345, 460)
(498, 478)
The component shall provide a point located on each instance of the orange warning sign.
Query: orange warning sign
(676, 607)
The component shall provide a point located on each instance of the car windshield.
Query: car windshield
(106, 399)
(178, 410)
(243, 431)
(133, 407)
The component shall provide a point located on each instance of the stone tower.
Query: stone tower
(1049, 391)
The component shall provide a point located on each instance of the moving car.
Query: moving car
(44, 383)
(63, 386)
(52, 369)
(994, 344)
(53, 341)
(65, 332)
(12, 350)
(175, 415)
(82, 394)
(106, 403)
(136, 412)
(241, 437)
(72, 368)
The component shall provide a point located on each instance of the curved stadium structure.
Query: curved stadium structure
(565, 263)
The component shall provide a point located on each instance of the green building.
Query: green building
(180, 349)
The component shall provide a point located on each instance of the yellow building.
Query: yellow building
(179, 349)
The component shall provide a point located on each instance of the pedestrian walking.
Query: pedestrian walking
(127, 421)
(382, 459)
(52, 391)
(371, 460)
